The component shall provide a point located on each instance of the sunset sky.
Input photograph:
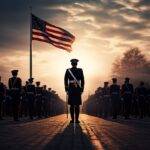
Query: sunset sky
(104, 30)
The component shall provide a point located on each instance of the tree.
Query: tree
(133, 64)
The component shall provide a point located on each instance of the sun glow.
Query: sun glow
(50, 65)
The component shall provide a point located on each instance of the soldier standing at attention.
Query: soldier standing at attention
(38, 90)
(25, 100)
(141, 97)
(115, 97)
(15, 85)
(127, 94)
(106, 98)
(2, 94)
(45, 101)
(148, 101)
(30, 89)
(74, 86)
(49, 101)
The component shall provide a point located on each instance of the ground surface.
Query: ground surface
(92, 133)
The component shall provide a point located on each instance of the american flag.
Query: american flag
(46, 32)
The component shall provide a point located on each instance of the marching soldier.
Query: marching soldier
(15, 85)
(38, 90)
(141, 97)
(2, 94)
(30, 90)
(106, 98)
(115, 97)
(74, 86)
(127, 94)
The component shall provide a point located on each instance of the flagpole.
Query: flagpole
(30, 42)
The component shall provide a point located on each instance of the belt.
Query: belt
(38, 94)
(73, 81)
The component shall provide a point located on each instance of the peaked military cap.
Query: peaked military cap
(114, 79)
(38, 82)
(30, 79)
(127, 79)
(106, 82)
(74, 60)
(14, 71)
(141, 83)
(27, 82)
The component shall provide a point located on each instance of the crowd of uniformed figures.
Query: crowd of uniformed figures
(30, 100)
(115, 100)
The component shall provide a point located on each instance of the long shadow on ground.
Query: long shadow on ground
(70, 139)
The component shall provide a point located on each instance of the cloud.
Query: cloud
(101, 27)
(117, 16)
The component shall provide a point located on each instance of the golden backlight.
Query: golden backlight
(50, 65)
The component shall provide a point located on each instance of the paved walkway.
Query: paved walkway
(92, 133)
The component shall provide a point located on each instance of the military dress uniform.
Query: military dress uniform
(99, 102)
(141, 97)
(49, 101)
(2, 94)
(45, 101)
(30, 90)
(127, 94)
(99, 98)
(148, 101)
(39, 100)
(24, 101)
(115, 99)
(15, 85)
(74, 90)
(106, 100)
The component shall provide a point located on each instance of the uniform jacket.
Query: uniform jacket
(15, 83)
(127, 89)
(73, 90)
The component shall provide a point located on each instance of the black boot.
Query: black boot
(72, 114)
(77, 111)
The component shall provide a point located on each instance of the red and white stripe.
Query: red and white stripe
(56, 36)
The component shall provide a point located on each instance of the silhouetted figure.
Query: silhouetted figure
(141, 97)
(115, 97)
(49, 101)
(127, 94)
(15, 85)
(30, 90)
(135, 108)
(74, 86)
(98, 102)
(148, 101)
(106, 98)
(45, 101)
(38, 99)
(25, 100)
(2, 94)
